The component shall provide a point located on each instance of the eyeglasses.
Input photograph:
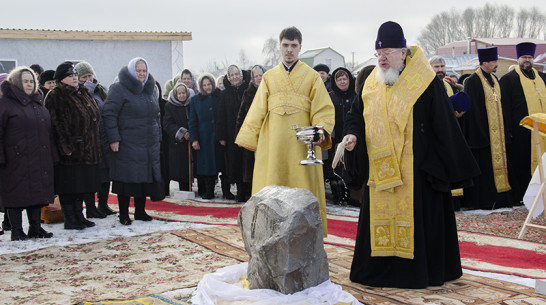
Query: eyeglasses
(380, 54)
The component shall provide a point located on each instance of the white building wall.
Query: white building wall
(106, 57)
(177, 57)
(331, 59)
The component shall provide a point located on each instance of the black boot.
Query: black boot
(226, 188)
(103, 199)
(70, 221)
(248, 190)
(241, 192)
(140, 209)
(16, 221)
(123, 202)
(201, 186)
(78, 213)
(209, 188)
(35, 229)
(6, 226)
(91, 210)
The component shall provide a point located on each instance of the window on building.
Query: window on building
(6, 65)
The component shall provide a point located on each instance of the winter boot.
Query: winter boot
(70, 221)
(140, 209)
(123, 202)
(91, 210)
(35, 229)
(241, 192)
(226, 192)
(209, 188)
(103, 199)
(78, 213)
(16, 221)
(6, 226)
(201, 186)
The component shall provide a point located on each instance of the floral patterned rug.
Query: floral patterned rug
(503, 224)
(117, 269)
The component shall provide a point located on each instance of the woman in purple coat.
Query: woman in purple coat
(26, 153)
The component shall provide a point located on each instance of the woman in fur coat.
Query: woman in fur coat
(27, 153)
(131, 117)
(75, 119)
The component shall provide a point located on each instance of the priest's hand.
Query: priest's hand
(195, 145)
(459, 114)
(223, 142)
(350, 139)
(114, 146)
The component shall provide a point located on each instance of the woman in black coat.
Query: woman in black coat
(131, 117)
(75, 117)
(176, 125)
(26, 153)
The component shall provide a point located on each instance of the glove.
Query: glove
(179, 136)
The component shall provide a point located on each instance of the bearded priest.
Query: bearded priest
(413, 153)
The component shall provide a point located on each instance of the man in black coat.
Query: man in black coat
(236, 82)
(523, 92)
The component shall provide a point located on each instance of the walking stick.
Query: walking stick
(189, 165)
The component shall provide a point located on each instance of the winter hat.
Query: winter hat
(487, 54)
(47, 75)
(84, 68)
(15, 78)
(3, 77)
(390, 35)
(132, 67)
(460, 101)
(322, 67)
(63, 70)
(526, 48)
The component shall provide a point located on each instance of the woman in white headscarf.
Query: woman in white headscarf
(132, 122)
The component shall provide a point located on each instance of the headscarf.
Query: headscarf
(132, 68)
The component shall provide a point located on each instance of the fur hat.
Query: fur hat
(390, 35)
(322, 67)
(63, 70)
(47, 75)
(84, 68)
(15, 78)
(487, 54)
(526, 48)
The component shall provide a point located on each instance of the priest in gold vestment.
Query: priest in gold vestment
(404, 138)
(290, 95)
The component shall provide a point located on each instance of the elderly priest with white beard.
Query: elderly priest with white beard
(403, 136)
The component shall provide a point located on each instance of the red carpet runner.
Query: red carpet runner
(478, 251)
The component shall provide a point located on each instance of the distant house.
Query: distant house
(107, 52)
(327, 56)
(506, 46)
(504, 63)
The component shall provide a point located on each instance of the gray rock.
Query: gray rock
(282, 233)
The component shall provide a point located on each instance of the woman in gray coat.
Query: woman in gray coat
(27, 153)
(132, 121)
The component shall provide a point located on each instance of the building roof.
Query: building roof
(314, 52)
(92, 35)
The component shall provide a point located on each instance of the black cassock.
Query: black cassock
(442, 161)
(519, 146)
(475, 126)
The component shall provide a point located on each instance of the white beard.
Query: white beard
(389, 77)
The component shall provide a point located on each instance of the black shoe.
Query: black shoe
(39, 233)
(229, 196)
(18, 234)
(143, 216)
(93, 212)
(106, 210)
(125, 220)
(6, 226)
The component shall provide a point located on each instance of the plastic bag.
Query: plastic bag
(225, 286)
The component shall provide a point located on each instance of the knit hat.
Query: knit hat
(526, 48)
(84, 68)
(460, 101)
(390, 35)
(47, 75)
(322, 67)
(63, 70)
(3, 77)
(487, 54)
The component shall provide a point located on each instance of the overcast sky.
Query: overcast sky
(222, 28)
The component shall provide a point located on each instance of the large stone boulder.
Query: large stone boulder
(282, 233)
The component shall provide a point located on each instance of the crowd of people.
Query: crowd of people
(418, 144)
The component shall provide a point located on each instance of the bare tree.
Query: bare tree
(530, 23)
(272, 53)
(244, 61)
